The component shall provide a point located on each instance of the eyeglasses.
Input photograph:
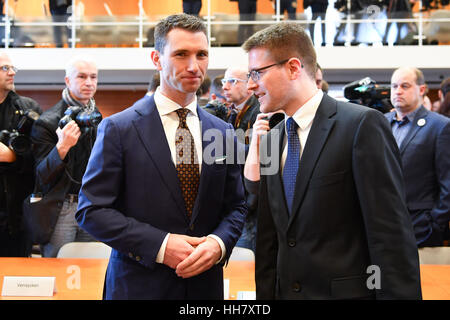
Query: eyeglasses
(232, 81)
(255, 73)
(6, 68)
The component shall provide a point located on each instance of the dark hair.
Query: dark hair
(154, 82)
(286, 40)
(216, 86)
(444, 108)
(183, 21)
(204, 87)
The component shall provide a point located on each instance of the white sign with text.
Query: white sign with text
(28, 286)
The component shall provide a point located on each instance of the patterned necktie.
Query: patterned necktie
(187, 162)
(292, 162)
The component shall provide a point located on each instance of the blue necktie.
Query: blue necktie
(292, 162)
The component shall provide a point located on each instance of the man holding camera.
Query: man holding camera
(63, 138)
(16, 162)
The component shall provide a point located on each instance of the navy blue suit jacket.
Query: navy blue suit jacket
(130, 199)
(425, 154)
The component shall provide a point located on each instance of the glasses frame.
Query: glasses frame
(232, 81)
(6, 68)
(255, 73)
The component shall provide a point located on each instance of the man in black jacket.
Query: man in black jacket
(16, 162)
(62, 152)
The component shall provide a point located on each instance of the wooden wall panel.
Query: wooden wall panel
(108, 101)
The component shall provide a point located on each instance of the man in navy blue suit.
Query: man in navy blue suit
(170, 232)
(423, 138)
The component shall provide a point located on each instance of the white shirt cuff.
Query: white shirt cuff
(221, 244)
(162, 250)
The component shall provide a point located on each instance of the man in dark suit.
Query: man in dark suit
(423, 138)
(170, 231)
(332, 219)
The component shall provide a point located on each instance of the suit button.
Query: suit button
(138, 258)
(191, 227)
(296, 287)
(291, 243)
(130, 255)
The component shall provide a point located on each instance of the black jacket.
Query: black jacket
(49, 166)
(17, 178)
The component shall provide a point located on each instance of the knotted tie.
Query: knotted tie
(292, 162)
(187, 163)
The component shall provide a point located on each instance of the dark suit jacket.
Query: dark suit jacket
(131, 198)
(349, 213)
(425, 154)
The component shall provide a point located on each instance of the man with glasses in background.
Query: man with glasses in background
(16, 162)
(244, 109)
(244, 105)
(332, 218)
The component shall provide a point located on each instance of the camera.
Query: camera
(18, 139)
(368, 93)
(83, 119)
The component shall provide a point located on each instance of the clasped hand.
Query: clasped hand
(190, 256)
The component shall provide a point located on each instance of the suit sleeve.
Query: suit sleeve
(266, 247)
(49, 166)
(379, 183)
(98, 209)
(234, 208)
(441, 209)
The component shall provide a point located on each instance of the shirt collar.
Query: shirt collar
(166, 106)
(306, 113)
(410, 115)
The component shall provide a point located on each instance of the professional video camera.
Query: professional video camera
(84, 119)
(18, 139)
(368, 93)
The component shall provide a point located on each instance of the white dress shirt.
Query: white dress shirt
(304, 117)
(170, 121)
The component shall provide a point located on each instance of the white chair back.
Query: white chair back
(97, 250)
(242, 254)
(434, 255)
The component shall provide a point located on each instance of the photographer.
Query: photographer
(62, 148)
(16, 166)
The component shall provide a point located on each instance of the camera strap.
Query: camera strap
(71, 178)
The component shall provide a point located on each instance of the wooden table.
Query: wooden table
(241, 275)
(435, 281)
(91, 274)
(435, 278)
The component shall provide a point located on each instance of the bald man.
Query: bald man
(423, 138)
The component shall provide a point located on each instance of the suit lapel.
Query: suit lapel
(321, 128)
(422, 113)
(151, 133)
(205, 175)
(275, 186)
